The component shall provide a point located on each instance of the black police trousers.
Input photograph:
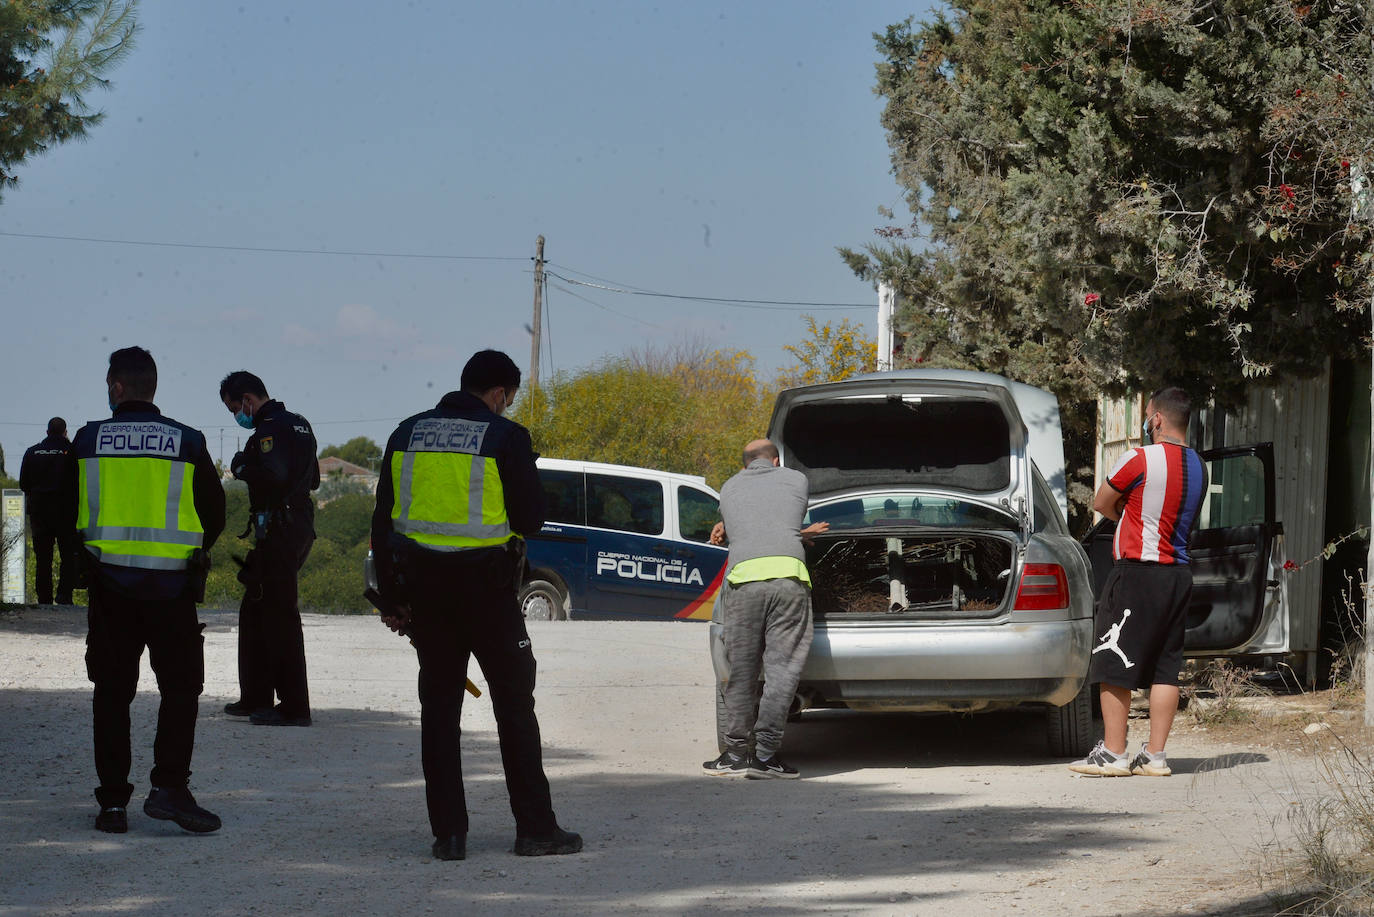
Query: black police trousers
(118, 628)
(461, 607)
(45, 533)
(271, 642)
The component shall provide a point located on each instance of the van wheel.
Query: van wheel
(1069, 729)
(541, 600)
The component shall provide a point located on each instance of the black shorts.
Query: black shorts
(1139, 625)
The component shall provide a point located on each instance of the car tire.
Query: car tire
(1069, 729)
(541, 600)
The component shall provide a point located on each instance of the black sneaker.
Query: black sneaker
(179, 805)
(239, 708)
(558, 842)
(112, 820)
(770, 769)
(729, 764)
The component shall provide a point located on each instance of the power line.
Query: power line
(633, 318)
(261, 249)
(781, 305)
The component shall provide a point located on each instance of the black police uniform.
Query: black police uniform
(281, 469)
(463, 604)
(130, 608)
(40, 477)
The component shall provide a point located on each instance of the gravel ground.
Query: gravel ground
(896, 814)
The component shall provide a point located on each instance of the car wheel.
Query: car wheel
(541, 600)
(1069, 728)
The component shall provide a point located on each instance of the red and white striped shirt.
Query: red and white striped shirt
(1164, 484)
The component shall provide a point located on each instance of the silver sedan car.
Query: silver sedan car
(948, 580)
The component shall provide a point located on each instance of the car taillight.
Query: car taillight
(1043, 586)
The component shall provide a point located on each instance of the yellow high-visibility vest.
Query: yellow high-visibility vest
(448, 495)
(138, 511)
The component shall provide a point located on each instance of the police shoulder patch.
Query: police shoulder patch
(265, 444)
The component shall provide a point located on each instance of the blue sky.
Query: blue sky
(702, 149)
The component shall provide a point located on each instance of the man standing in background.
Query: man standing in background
(40, 477)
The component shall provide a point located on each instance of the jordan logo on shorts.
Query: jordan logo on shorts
(1109, 639)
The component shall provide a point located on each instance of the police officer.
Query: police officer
(148, 503)
(40, 477)
(458, 487)
(281, 470)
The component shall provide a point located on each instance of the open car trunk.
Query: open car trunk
(902, 574)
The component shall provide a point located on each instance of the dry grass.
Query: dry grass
(1216, 691)
(1328, 868)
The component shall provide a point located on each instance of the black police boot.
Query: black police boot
(112, 820)
(556, 842)
(453, 847)
(178, 805)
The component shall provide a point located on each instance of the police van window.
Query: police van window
(697, 513)
(625, 504)
(564, 497)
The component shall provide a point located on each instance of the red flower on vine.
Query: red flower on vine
(1090, 299)
(1287, 191)
(1289, 565)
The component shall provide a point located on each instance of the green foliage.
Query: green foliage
(359, 450)
(346, 520)
(829, 353)
(52, 54)
(1113, 195)
(689, 411)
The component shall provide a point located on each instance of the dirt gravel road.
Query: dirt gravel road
(896, 814)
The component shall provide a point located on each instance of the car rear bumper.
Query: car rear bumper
(895, 666)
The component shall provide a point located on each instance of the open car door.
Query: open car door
(1239, 598)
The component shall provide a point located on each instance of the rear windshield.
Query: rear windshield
(961, 444)
(905, 510)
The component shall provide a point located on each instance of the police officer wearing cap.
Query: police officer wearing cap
(148, 503)
(279, 465)
(458, 488)
(40, 477)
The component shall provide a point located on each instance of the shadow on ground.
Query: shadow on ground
(333, 817)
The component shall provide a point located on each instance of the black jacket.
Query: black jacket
(40, 477)
(206, 491)
(505, 440)
(279, 462)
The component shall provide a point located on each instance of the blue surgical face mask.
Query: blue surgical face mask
(244, 420)
(113, 405)
(1145, 435)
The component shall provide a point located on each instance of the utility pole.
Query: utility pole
(538, 310)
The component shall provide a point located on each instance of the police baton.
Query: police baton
(388, 609)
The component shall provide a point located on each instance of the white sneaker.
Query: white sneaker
(1148, 764)
(1103, 763)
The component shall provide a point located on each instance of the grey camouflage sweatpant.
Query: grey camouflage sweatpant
(767, 626)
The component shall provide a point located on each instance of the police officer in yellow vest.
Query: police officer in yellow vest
(148, 504)
(458, 488)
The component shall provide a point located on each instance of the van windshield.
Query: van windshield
(907, 510)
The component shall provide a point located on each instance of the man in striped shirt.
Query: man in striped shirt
(1155, 492)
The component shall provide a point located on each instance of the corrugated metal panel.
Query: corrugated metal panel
(1295, 416)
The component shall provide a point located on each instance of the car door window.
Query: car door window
(697, 513)
(564, 497)
(625, 504)
(1235, 493)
